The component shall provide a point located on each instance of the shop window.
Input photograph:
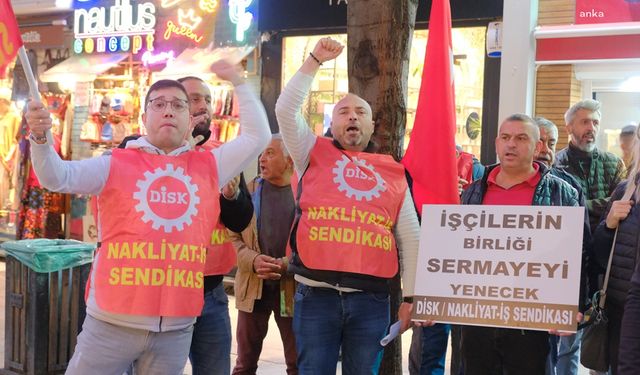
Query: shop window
(331, 82)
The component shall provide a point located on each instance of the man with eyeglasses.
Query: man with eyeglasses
(156, 199)
(211, 342)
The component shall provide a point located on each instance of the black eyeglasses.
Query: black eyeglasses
(159, 104)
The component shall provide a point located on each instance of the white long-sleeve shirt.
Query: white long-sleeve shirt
(90, 176)
(299, 140)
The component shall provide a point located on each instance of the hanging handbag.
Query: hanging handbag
(594, 353)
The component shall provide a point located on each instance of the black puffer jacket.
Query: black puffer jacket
(625, 252)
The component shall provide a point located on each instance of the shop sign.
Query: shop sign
(277, 15)
(609, 11)
(240, 17)
(500, 266)
(121, 27)
(187, 24)
(43, 36)
(149, 58)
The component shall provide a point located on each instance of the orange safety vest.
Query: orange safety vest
(221, 255)
(155, 215)
(349, 206)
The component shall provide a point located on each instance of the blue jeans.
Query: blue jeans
(211, 343)
(434, 349)
(324, 321)
(568, 357)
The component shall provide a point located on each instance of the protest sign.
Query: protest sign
(500, 266)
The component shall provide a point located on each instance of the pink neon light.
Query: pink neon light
(149, 58)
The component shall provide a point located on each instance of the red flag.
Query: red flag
(10, 39)
(431, 155)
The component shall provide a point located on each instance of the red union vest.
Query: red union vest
(350, 203)
(155, 215)
(221, 255)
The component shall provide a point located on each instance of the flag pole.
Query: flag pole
(33, 84)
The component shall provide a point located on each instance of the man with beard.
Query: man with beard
(211, 342)
(598, 172)
(546, 155)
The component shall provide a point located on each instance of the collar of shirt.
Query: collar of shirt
(531, 181)
(143, 144)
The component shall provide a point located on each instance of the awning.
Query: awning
(82, 68)
(568, 44)
(196, 61)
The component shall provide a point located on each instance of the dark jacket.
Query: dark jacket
(628, 358)
(625, 252)
(598, 172)
(550, 191)
(248, 286)
(586, 287)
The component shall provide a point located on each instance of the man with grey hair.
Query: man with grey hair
(262, 285)
(517, 180)
(598, 172)
(559, 359)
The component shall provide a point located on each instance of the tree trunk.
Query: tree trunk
(379, 34)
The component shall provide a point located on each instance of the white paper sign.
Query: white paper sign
(500, 266)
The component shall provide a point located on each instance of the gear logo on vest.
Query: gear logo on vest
(167, 198)
(358, 179)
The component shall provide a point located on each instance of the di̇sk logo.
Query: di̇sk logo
(167, 198)
(357, 179)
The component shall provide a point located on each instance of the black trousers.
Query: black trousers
(501, 351)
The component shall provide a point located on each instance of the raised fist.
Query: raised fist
(227, 71)
(327, 49)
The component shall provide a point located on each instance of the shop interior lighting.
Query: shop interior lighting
(208, 6)
(170, 3)
(63, 4)
(189, 19)
(631, 84)
(240, 17)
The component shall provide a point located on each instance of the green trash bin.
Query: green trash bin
(44, 309)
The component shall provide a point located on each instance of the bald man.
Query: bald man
(354, 220)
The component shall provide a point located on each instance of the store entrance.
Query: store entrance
(616, 85)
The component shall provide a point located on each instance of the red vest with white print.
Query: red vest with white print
(155, 215)
(350, 203)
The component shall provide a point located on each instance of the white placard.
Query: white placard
(500, 266)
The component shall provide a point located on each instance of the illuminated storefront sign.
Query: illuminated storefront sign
(149, 58)
(115, 28)
(240, 17)
(184, 30)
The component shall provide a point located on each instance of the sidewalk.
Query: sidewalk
(272, 358)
